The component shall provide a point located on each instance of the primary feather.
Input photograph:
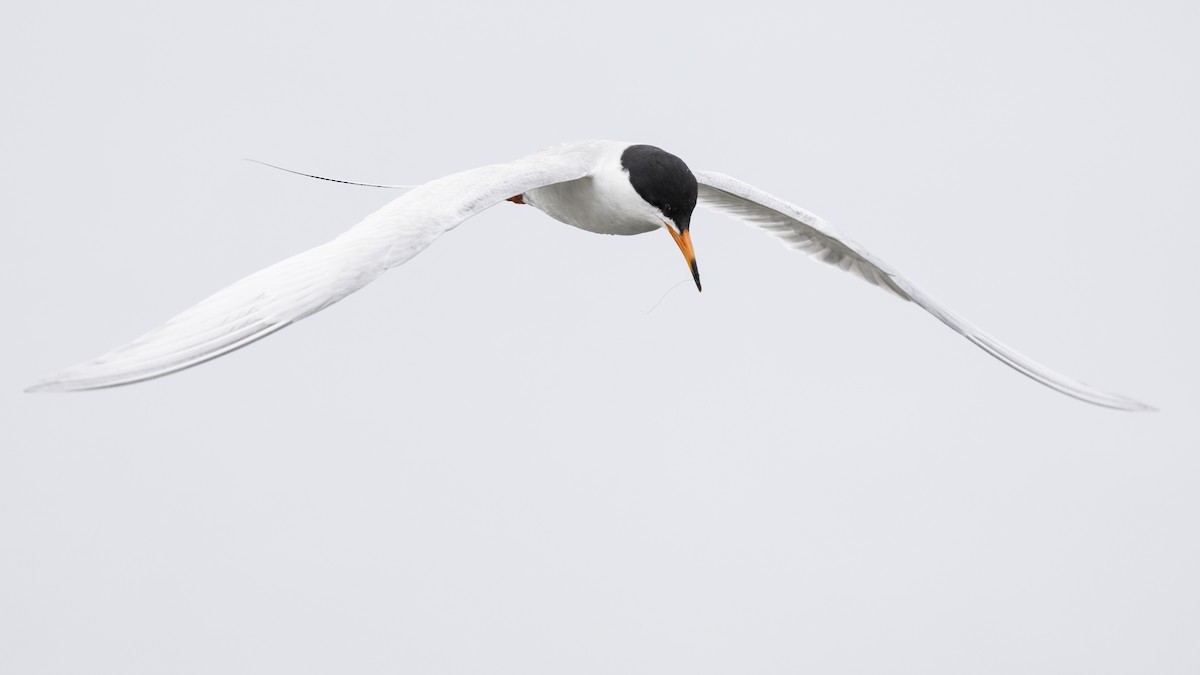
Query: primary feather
(806, 232)
(292, 289)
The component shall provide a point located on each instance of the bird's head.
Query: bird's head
(664, 182)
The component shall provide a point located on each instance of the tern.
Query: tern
(607, 187)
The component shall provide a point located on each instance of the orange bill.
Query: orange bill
(685, 245)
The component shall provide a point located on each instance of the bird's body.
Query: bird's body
(606, 187)
(604, 201)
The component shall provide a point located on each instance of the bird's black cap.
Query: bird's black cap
(663, 180)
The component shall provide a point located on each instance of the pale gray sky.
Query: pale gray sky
(491, 460)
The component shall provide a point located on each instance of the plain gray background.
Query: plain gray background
(492, 460)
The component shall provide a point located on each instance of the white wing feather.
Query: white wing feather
(292, 289)
(806, 232)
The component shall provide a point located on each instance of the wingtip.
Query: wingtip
(50, 385)
(1125, 403)
(68, 380)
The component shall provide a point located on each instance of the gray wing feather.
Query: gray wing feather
(288, 291)
(806, 232)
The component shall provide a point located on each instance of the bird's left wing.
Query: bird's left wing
(806, 232)
(292, 289)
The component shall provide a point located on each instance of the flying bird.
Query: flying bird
(606, 187)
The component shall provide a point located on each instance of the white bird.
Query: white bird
(601, 186)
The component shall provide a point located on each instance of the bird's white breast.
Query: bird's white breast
(603, 202)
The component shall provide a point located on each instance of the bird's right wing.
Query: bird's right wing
(806, 232)
(292, 289)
